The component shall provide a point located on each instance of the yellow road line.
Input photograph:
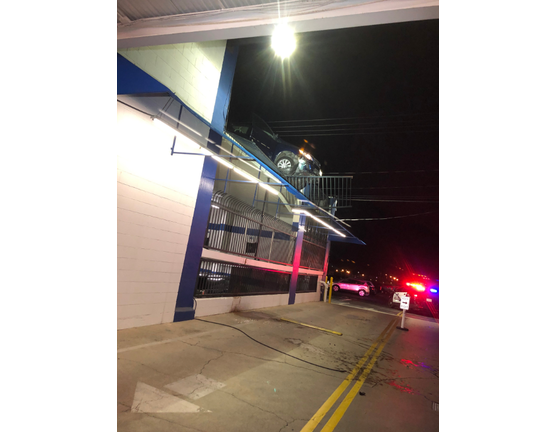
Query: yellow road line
(307, 325)
(341, 410)
(321, 412)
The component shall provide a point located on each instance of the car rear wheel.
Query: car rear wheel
(361, 293)
(286, 164)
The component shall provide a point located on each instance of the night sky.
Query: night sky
(367, 101)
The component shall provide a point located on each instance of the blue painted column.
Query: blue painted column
(297, 257)
(184, 302)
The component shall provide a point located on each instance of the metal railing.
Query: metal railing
(314, 245)
(306, 283)
(320, 190)
(237, 228)
(240, 229)
(217, 279)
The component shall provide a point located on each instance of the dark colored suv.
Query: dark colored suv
(289, 159)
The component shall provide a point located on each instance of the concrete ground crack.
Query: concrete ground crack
(259, 408)
(125, 406)
(209, 361)
(290, 422)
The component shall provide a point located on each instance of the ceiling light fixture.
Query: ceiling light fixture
(283, 41)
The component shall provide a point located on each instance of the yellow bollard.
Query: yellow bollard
(331, 289)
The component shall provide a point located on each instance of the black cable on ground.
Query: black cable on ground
(274, 349)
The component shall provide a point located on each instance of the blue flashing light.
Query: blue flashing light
(433, 290)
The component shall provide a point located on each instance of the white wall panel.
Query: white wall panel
(156, 197)
(215, 306)
(191, 70)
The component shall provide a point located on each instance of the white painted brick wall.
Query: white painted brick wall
(221, 305)
(156, 198)
(191, 70)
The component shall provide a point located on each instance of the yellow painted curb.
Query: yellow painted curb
(307, 325)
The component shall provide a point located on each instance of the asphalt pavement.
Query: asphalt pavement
(380, 302)
(313, 366)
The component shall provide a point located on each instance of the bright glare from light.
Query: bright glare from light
(222, 161)
(418, 286)
(283, 41)
(299, 211)
(246, 175)
(269, 188)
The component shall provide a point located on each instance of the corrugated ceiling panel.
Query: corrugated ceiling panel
(139, 9)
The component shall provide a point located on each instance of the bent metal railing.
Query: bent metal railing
(325, 191)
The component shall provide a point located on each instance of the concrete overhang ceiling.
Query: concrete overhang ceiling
(160, 22)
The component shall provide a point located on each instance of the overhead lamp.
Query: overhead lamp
(299, 211)
(283, 41)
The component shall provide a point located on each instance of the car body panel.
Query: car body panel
(418, 299)
(274, 147)
(354, 285)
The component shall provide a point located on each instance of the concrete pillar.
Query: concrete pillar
(184, 302)
(297, 257)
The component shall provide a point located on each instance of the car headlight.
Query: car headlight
(306, 155)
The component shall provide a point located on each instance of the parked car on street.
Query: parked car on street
(289, 159)
(362, 287)
(421, 297)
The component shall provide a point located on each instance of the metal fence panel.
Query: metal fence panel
(306, 283)
(240, 229)
(218, 279)
(320, 190)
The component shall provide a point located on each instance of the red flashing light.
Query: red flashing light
(417, 286)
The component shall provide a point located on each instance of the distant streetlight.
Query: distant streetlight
(283, 41)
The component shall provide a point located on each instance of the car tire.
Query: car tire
(335, 288)
(361, 293)
(286, 164)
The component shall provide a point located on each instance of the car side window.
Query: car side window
(260, 123)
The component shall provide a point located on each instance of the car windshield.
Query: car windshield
(259, 123)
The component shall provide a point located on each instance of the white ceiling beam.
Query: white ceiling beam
(238, 25)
